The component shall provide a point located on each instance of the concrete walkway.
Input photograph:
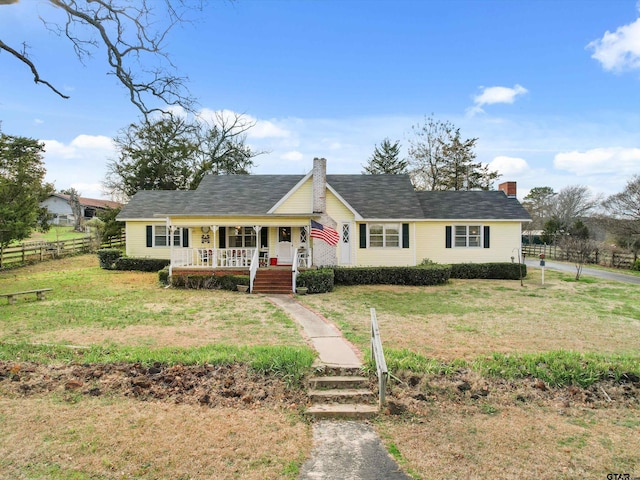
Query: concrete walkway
(343, 450)
(349, 451)
(333, 350)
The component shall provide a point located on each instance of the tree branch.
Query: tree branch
(36, 76)
(131, 34)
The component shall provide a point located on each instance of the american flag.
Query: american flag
(324, 232)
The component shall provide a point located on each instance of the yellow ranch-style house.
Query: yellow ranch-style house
(253, 222)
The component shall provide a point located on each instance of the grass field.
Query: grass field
(56, 233)
(460, 328)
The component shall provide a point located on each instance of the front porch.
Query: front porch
(233, 258)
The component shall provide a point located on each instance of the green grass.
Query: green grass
(290, 363)
(54, 234)
(556, 368)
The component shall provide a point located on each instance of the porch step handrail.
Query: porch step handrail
(377, 354)
(253, 269)
(294, 270)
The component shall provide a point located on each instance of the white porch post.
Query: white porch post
(170, 229)
(214, 246)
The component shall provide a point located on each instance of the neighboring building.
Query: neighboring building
(58, 205)
(367, 220)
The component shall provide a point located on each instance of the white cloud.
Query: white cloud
(99, 142)
(619, 50)
(78, 146)
(260, 128)
(58, 149)
(509, 167)
(89, 190)
(267, 129)
(294, 156)
(80, 164)
(599, 161)
(492, 95)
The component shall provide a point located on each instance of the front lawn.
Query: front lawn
(115, 376)
(494, 380)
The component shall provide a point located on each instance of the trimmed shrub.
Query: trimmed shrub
(423, 275)
(316, 281)
(195, 282)
(108, 257)
(230, 282)
(493, 271)
(163, 276)
(209, 282)
(141, 264)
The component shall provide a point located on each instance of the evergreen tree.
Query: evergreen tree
(386, 160)
(22, 188)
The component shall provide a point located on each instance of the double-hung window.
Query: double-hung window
(384, 235)
(468, 236)
(242, 237)
(161, 236)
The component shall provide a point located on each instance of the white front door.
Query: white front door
(285, 246)
(345, 244)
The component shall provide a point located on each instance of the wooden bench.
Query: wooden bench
(12, 296)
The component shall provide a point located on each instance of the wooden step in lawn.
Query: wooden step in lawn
(340, 393)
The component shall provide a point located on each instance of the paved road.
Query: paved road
(593, 272)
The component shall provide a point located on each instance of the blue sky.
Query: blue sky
(550, 88)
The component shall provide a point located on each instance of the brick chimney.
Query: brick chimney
(319, 185)
(509, 188)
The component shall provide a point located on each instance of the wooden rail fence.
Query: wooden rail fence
(42, 250)
(606, 258)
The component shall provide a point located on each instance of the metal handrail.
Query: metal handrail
(294, 270)
(377, 354)
(253, 270)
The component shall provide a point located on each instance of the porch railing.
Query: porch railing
(213, 257)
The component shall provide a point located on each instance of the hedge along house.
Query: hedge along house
(250, 223)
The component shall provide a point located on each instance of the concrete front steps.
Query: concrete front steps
(339, 393)
(273, 280)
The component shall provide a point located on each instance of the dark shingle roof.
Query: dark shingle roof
(147, 203)
(372, 196)
(240, 194)
(475, 204)
(378, 196)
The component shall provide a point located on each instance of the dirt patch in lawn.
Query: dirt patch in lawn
(134, 421)
(465, 426)
(228, 385)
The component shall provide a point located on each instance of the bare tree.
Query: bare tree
(222, 146)
(626, 206)
(572, 203)
(440, 159)
(427, 161)
(74, 204)
(132, 34)
(579, 250)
